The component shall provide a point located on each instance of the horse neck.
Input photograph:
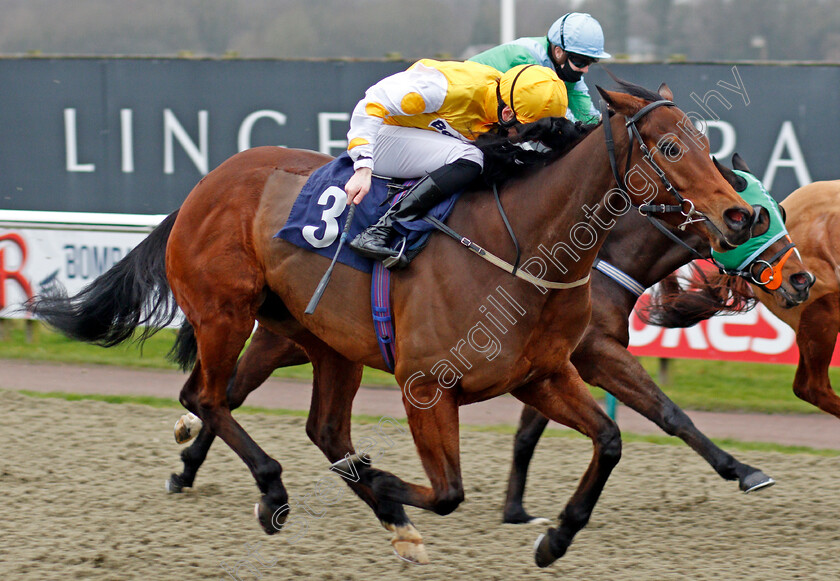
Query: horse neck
(639, 250)
(548, 207)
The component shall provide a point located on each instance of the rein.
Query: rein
(685, 206)
(503, 264)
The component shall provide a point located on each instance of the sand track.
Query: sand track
(84, 499)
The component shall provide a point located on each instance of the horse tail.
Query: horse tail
(185, 350)
(132, 293)
(685, 301)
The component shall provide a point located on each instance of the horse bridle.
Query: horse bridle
(771, 282)
(685, 206)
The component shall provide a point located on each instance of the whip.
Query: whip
(322, 286)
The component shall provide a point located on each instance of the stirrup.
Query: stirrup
(398, 261)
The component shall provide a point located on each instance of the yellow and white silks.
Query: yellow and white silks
(414, 122)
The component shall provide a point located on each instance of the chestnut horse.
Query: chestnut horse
(601, 358)
(225, 270)
(813, 220)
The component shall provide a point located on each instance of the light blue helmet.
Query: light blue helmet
(578, 33)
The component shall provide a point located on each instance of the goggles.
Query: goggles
(580, 61)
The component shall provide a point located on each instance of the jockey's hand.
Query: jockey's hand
(358, 185)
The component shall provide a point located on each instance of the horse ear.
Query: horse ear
(605, 95)
(761, 224)
(739, 163)
(665, 92)
(621, 103)
(738, 183)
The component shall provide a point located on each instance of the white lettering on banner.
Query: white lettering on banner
(71, 258)
(127, 140)
(715, 334)
(729, 343)
(787, 140)
(243, 140)
(88, 262)
(325, 142)
(644, 336)
(172, 128)
(72, 144)
(782, 342)
(694, 336)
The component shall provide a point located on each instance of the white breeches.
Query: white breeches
(407, 152)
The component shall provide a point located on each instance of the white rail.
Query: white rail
(99, 222)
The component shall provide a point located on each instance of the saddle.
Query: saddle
(319, 215)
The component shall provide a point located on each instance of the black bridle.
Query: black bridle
(685, 207)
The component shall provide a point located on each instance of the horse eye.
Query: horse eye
(669, 149)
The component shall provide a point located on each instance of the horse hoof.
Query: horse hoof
(187, 427)
(173, 486)
(520, 517)
(271, 521)
(408, 544)
(543, 556)
(756, 481)
(411, 552)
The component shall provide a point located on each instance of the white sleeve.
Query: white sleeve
(418, 90)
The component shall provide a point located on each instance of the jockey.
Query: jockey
(574, 42)
(423, 121)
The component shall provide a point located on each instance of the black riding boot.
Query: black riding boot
(422, 197)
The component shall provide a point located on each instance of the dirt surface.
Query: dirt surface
(816, 430)
(84, 499)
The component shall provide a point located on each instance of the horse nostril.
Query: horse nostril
(802, 280)
(736, 218)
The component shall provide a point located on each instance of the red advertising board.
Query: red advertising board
(756, 335)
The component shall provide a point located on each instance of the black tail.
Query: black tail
(133, 293)
(704, 296)
(185, 349)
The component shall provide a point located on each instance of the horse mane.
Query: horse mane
(505, 158)
(683, 301)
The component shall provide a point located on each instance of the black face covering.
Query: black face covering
(567, 73)
(564, 71)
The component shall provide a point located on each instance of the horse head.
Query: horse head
(667, 171)
(769, 259)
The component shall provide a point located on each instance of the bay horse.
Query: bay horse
(813, 220)
(226, 270)
(636, 249)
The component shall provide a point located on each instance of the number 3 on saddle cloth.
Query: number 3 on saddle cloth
(317, 220)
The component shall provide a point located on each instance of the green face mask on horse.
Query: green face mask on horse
(742, 259)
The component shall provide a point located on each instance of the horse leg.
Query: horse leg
(566, 399)
(605, 362)
(335, 383)
(816, 337)
(435, 434)
(220, 340)
(531, 426)
(265, 353)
